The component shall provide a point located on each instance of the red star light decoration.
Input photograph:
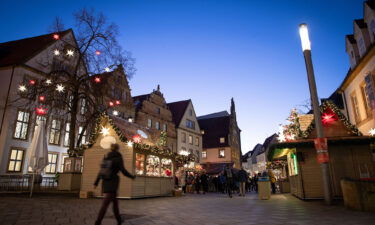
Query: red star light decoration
(328, 118)
(137, 138)
(41, 111)
(97, 80)
(56, 36)
(32, 82)
(111, 104)
(97, 52)
(118, 102)
(42, 98)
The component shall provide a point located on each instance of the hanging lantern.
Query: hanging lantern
(41, 111)
(56, 36)
(137, 138)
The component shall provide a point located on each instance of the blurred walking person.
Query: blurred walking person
(228, 173)
(242, 178)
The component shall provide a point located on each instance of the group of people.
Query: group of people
(229, 181)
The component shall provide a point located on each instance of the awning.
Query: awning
(215, 168)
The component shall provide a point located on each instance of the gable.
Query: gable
(192, 117)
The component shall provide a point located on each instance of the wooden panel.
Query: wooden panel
(311, 175)
(138, 187)
(166, 186)
(152, 186)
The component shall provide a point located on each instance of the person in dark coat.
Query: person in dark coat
(242, 178)
(197, 182)
(229, 175)
(204, 182)
(111, 183)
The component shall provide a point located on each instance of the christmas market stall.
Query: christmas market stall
(350, 155)
(145, 154)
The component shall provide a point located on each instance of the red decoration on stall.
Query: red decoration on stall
(168, 172)
(118, 102)
(41, 111)
(97, 80)
(137, 138)
(97, 52)
(42, 98)
(328, 117)
(111, 104)
(56, 36)
(32, 82)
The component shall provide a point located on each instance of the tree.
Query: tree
(74, 86)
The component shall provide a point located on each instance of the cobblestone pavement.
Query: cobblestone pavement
(207, 209)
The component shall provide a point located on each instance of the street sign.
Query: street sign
(321, 147)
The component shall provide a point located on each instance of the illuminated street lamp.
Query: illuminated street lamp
(306, 48)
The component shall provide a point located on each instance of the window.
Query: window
(197, 141)
(153, 166)
(63, 157)
(83, 140)
(52, 163)
(139, 164)
(222, 140)
(15, 160)
(191, 112)
(166, 167)
(149, 123)
(184, 137)
(158, 110)
(83, 106)
(38, 118)
(70, 101)
(22, 125)
(66, 134)
(190, 139)
(164, 127)
(157, 125)
(366, 100)
(55, 131)
(190, 124)
(221, 153)
(204, 154)
(355, 108)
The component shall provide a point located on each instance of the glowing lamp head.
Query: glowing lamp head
(41, 111)
(107, 69)
(97, 80)
(304, 35)
(56, 36)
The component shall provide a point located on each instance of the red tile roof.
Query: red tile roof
(178, 110)
(16, 52)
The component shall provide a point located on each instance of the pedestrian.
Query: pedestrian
(111, 165)
(197, 183)
(222, 183)
(228, 173)
(204, 182)
(183, 181)
(273, 181)
(242, 178)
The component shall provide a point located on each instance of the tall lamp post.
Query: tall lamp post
(306, 47)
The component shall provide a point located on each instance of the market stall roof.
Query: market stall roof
(277, 148)
(215, 168)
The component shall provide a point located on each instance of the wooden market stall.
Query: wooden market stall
(144, 155)
(351, 156)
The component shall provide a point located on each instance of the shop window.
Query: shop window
(153, 166)
(166, 167)
(52, 163)
(221, 153)
(55, 131)
(22, 125)
(15, 160)
(139, 164)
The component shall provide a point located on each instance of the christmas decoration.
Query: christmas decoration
(106, 69)
(70, 53)
(32, 82)
(42, 98)
(291, 130)
(162, 139)
(60, 88)
(56, 52)
(97, 80)
(41, 111)
(97, 52)
(22, 88)
(118, 102)
(130, 120)
(56, 36)
(130, 143)
(372, 132)
(104, 131)
(115, 113)
(111, 104)
(328, 117)
(48, 82)
(137, 138)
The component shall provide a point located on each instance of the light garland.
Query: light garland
(104, 131)
(60, 88)
(22, 88)
(56, 52)
(70, 53)
(107, 69)
(48, 81)
(372, 132)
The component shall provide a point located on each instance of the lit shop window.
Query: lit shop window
(52, 163)
(139, 164)
(153, 166)
(166, 167)
(22, 125)
(15, 160)
(222, 140)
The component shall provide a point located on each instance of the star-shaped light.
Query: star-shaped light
(97, 80)
(41, 111)
(60, 88)
(130, 120)
(372, 132)
(56, 52)
(130, 143)
(56, 36)
(70, 53)
(22, 88)
(107, 69)
(97, 52)
(48, 82)
(115, 113)
(104, 131)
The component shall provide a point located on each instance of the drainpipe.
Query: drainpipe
(6, 101)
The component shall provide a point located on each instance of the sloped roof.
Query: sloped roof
(257, 148)
(361, 23)
(16, 52)
(267, 142)
(371, 4)
(214, 129)
(351, 38)
(178, 110)
(214, 115)
(138, 100)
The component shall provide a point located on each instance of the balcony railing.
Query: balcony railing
(19, 183)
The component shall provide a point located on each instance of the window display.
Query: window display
(153, 166)
(139, 164)
(166, 167)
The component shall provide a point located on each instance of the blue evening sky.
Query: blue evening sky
(210, 51)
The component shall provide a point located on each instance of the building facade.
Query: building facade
(189, 137)
(153, 113)
(221, 139)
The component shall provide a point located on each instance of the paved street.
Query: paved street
(193, 209)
